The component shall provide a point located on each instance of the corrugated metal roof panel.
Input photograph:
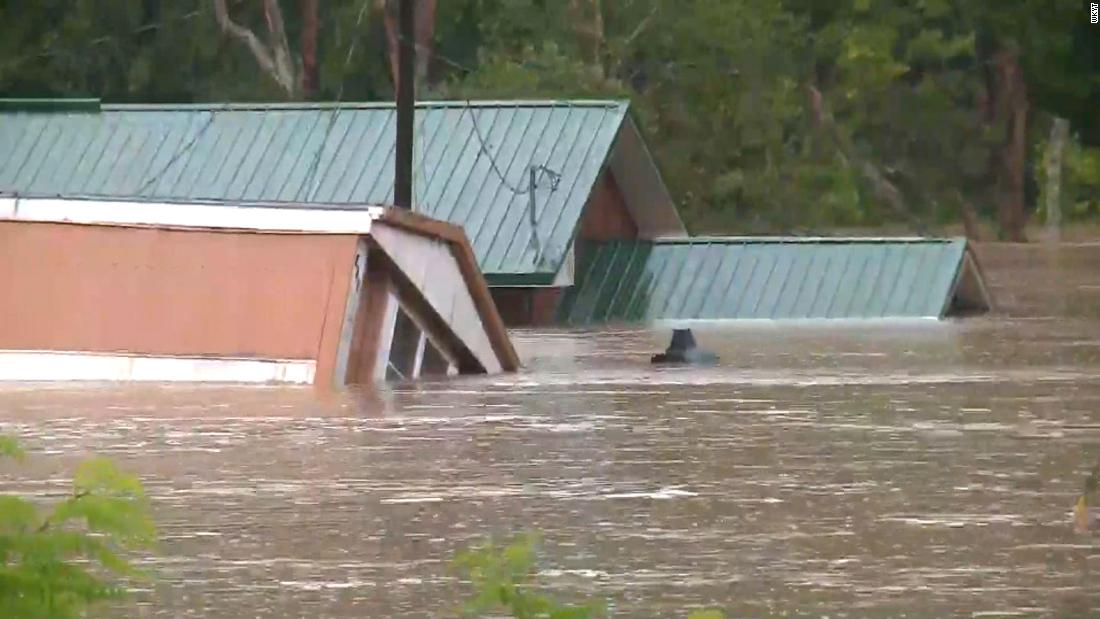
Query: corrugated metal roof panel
(472, 162)
(766, 278)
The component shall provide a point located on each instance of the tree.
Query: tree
(274, 56)
(55, 563)
(424, 14)
(765, 116)
(310, 78)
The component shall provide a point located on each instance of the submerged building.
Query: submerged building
(239, 292)
(790, 278)
(565, 211)
(530, 182)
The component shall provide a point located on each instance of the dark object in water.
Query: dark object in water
(682, 349)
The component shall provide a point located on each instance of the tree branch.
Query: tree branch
(642, 26)
(284, 63)
(263, 56)
(884, 189)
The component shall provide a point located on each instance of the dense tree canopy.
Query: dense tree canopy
(765, 115)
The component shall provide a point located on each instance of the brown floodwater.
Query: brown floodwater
(883, 470)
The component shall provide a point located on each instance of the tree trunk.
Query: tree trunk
(425, 36)
(308, 47)
(884, 190)
(588, 24)
(1012, 105)
(971, 226)
(1059, 135)
(389, 23)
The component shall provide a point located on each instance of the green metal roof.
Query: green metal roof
(472, 160)
(769, 278)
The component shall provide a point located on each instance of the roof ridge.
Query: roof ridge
(364, 105)
(804, 240)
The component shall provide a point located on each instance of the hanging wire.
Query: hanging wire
(311, 193)
(483, 144)
(534, 172)
(186, 148)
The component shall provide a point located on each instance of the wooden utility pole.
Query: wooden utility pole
(406, 106)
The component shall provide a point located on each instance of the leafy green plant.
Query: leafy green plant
(55, 563)
(503, 579)
(503, 576)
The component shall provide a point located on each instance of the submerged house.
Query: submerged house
(237, 292)
(760, 278)
(530, 182)
(565, 211)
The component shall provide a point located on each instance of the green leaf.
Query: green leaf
(102, 475)
(57, 566)
(17, 515)
(10, 448)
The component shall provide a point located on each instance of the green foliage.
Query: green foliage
(1080, 195)
(9, 448)
(503, 580)
(904, 130)
(56, 563)
(502, 577)
(535, 72)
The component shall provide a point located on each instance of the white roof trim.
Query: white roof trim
(567, 272)
(190, 215)
(49, 366)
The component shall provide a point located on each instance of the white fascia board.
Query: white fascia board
(190, 215)
(50, 366)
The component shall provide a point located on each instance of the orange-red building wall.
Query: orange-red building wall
(173, 292)
(605, 218)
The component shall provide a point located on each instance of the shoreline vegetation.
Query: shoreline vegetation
(764, 116)
(56, 562)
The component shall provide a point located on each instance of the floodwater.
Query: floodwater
(887, 470)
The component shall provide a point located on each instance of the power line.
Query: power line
(213, 113)
(535, 172)
(179, 153)
(336, 111)
(482, 142)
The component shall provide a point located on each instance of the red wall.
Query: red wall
(523, 307)
(173, 292)
(605, 216)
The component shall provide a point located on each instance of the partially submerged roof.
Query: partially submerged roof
(473, 163)
(410, 242)
(775, 278)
